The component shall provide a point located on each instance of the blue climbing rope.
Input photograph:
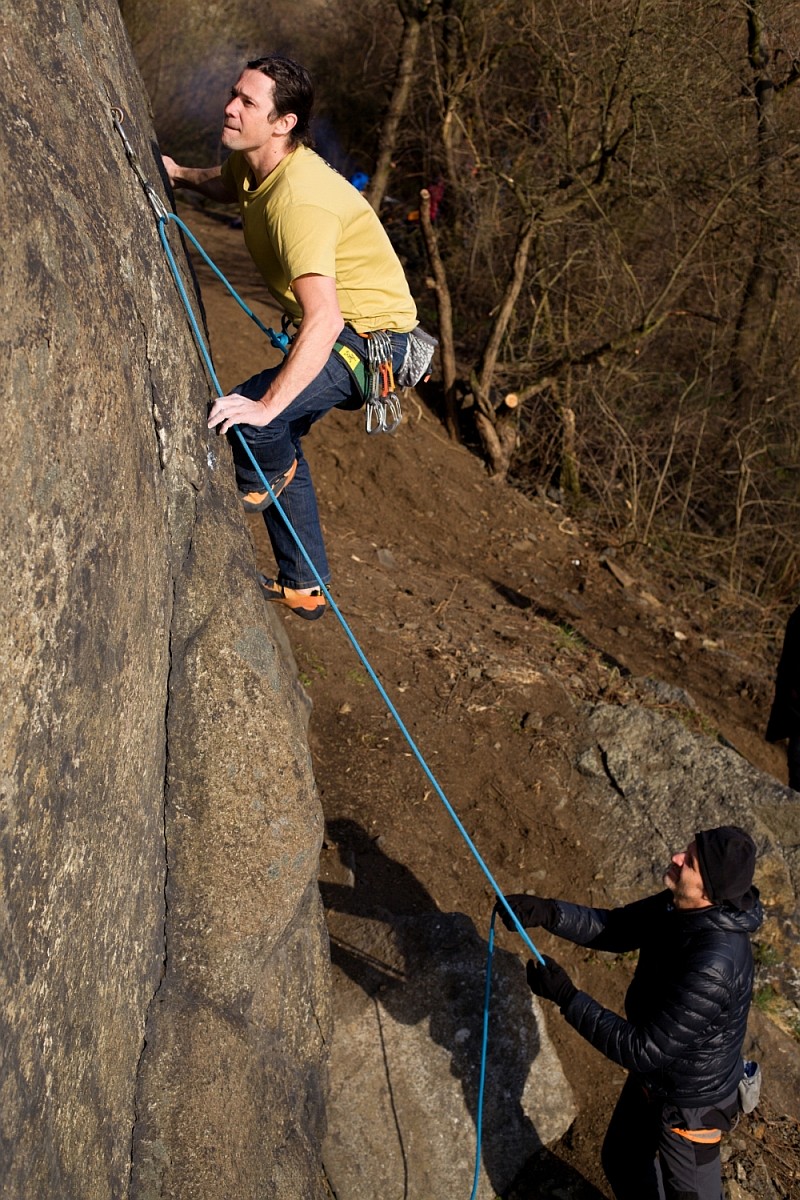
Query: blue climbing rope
(278, 340)
(163, 221)
(487, 993)
(281, 341)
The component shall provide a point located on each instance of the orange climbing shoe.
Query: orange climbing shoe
(309, 607)
(256, 502)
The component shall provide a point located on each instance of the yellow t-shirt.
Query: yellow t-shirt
(305, 219)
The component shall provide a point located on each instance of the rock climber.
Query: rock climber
(328, 262)
(686, 1012)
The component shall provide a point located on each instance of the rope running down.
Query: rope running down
(165, 218)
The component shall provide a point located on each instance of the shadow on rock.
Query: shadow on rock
(406, 1059)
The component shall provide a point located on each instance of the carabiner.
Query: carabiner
(393, 413)
(373, 417)
(155, 201)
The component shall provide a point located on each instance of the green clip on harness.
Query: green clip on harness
(164, 218)
(358, 373)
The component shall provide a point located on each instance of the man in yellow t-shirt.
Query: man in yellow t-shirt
(326, 258)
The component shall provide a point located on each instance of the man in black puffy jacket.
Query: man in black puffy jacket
(686, 1012)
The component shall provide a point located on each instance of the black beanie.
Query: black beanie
(727, 859)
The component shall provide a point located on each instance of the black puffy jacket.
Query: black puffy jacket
(688, 1001)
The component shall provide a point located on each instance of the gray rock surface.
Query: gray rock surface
(405, 1061)
(163, 969)
(654, 782)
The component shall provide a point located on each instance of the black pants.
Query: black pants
(644, 1158)
(793, 758)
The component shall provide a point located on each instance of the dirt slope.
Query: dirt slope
(488, 617)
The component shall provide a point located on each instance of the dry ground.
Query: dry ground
(489, 618)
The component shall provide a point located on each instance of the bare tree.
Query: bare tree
(445, 306)
(615, 261)
(414, 14)
(774, 69)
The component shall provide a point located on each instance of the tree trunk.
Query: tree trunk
(760, 290)
(445, 309)
(569, 476)
(409, 44)
(498, 435)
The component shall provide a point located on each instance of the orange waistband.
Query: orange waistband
(706, 1137)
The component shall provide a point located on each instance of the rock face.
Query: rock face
(405, 1066)
(652, 783)
(649, 784)
(164, 1011)
(405, 1063)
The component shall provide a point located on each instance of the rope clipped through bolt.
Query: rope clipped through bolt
(164, 218)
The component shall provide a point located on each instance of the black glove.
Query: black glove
(550, 981)
(530, 911)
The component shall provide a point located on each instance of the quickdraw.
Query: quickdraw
(156, 203)
(384, 412)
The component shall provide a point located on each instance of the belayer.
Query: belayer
(686, 1012)
(327, 260)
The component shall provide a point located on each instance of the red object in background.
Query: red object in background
(436, 193)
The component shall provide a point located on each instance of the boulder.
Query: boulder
(655, 782)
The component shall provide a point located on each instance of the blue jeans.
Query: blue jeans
(275, 447)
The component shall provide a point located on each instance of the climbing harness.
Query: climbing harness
(355, 365)
(373, 375)
(378, 365)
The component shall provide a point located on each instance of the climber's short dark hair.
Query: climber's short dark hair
(294, 93)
